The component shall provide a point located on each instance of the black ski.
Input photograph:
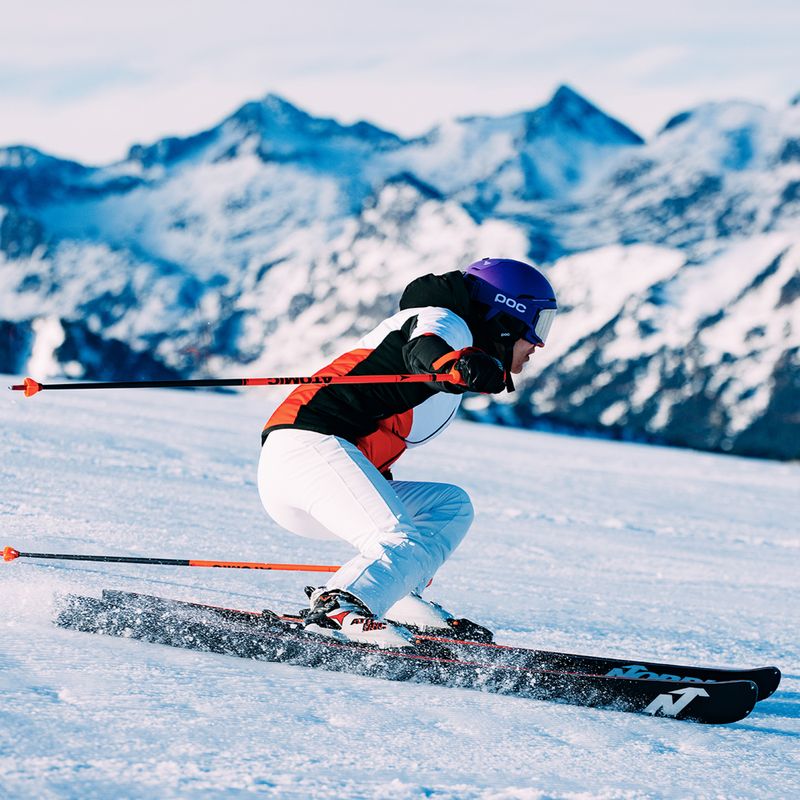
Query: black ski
(765, 678)
(267, 637)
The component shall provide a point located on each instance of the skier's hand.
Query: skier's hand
(481, 372)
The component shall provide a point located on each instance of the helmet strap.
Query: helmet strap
(508, 360)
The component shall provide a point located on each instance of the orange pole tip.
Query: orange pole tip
(9, 554)
(31, 387)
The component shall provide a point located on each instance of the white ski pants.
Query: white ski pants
(324, 487)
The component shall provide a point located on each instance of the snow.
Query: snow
(648, 304)
(543, 153)
(594, 286)
(579, 544)
(49, 336)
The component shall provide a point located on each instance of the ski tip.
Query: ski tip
(9, 554)
(772, 686)
(29, 386)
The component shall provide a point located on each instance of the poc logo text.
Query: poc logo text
(510, 302)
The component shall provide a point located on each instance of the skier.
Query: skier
(324, 470)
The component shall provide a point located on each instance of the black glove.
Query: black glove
(481, 372)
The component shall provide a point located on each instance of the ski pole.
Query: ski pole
(9, 554)
(31, 387)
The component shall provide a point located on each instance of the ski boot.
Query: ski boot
(424, 617)
(339, 614)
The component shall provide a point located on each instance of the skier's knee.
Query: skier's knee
(466, 511)
(460, 508)
(457, 515)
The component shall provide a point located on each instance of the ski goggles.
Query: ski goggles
(541, 327)
(516, 328)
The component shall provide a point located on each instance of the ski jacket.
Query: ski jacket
(434, 325)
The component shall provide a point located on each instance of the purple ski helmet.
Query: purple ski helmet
(516, 295)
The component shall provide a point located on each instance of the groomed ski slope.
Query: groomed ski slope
(578, 544)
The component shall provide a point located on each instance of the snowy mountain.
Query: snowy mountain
(272, 240)
(693, 354)
(502, 166)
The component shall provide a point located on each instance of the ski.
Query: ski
(766, 679)
(267, 637)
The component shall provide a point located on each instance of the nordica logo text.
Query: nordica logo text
(510, 302)
(641, 672)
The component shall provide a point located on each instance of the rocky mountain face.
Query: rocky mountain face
(271, 241)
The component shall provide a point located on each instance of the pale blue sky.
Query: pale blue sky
(88, 78)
